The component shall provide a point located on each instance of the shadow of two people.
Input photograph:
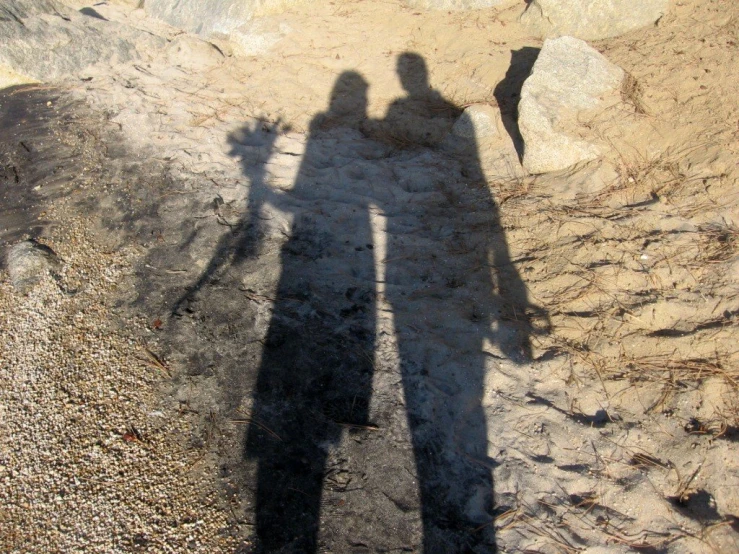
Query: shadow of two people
(316, 372)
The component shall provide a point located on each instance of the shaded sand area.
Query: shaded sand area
(303, 305)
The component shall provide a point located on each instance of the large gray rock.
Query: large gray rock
(591, 19)
(202, 17)
(46, 40)
(225, 19)
(81, 4)
(13, 10)
(455, 5)
(569, 82)
(27, 262)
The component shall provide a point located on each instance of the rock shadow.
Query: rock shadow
(91, 12)
(508, 92)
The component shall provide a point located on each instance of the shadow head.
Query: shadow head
(348, 100)
(413, 73)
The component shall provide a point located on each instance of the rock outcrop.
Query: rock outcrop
(454, 5)
(45, 40)
(591, 19)
(569, 80)
(14, 10)
(231, 20)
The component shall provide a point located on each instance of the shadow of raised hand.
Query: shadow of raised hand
(243, 240)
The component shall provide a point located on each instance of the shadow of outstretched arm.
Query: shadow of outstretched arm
(243, 241)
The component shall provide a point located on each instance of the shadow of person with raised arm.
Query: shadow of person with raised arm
(243, 240)
(315, 376)
(466, 286)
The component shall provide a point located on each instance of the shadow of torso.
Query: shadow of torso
(315, 375)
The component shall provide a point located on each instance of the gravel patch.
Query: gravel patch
(91, 457)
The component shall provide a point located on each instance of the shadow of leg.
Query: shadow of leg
(289, 498)
(455, 485)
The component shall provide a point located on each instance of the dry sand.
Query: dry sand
(617, 432)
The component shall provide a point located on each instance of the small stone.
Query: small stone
(27, 262)
(478, 121)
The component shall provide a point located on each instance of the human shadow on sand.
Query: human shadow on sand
(450, 450)
(316, 370)
(450, 285)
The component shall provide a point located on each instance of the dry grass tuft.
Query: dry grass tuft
(631, 93)
(678, 372)
(719, 242)
(658, 175)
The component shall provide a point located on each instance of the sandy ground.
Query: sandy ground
(296, 316)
